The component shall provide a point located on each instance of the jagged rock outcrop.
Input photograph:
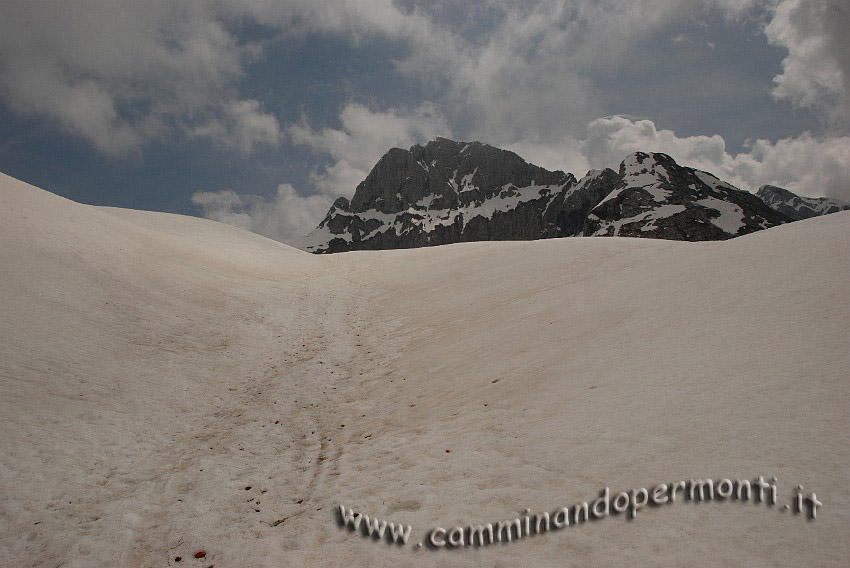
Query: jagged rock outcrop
(656, 197)
(797, 207)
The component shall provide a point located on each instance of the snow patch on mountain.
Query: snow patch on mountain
(656, 197)
(447, 192)
(731, 217)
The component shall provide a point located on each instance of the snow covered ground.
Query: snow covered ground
(172, 385)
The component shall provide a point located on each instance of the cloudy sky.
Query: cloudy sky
(261, 112)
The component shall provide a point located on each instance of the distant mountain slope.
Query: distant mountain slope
(797, 207)
(656, 197)
(448, 192)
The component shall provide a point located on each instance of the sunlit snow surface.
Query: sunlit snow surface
(172, 385)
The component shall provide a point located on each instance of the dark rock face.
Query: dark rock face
(796, 207)
(449, 192)
(451, 174)
(656, 197)
(580, 200)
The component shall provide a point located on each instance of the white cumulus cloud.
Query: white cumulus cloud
(816, 71)
(118, 73)
(283, 217)
(364, 137)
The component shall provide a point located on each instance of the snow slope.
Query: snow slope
(172, 385)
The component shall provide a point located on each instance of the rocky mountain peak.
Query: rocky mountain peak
(448, 173)
(658, 198)
(445, 192)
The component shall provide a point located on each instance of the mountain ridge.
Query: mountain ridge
(445, 192)
(798, 207)
(658, 198)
